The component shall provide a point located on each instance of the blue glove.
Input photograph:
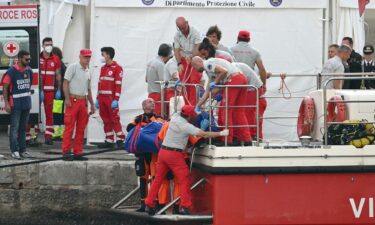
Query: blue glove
(212, 84)
(218, 97)
(198, 110)
(58, 94)
(204, 124)
(201, 92)
(97, 104)
(114, 104)
(177, 83)
(41, 96)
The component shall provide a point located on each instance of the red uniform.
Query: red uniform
(190, 76)
(173, 158)
(251, 112)
(76, 117)
(109, 89)
(236, 116)
(48, 67)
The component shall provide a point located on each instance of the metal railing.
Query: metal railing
(164, 87)
(325, 102)
(212, 107)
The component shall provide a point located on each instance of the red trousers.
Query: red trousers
(175, 161)
(157, 98)
(236, 116)
(111, 119)
(251, 112)
(48, 109)
(76, 117)
(190, 76)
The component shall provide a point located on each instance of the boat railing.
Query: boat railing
(212, 107)
(343, 77)
(164, 86)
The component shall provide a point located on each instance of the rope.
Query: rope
(57, 158)
(284, 86)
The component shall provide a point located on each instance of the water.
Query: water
(72, 217)
(76, 217)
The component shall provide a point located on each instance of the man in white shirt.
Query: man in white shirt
(335, 65)
(77, 91)
(186, 42)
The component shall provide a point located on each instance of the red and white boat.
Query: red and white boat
(285, 183)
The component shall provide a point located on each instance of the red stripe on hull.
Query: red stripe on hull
(345, 198)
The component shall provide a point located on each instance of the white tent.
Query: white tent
(287, 44)
(292, 37)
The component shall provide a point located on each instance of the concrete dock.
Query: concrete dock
(62, 187)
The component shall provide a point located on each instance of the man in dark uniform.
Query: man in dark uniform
(368, 66)
(146, 161)
(355, 65)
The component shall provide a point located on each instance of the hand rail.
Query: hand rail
(211, 107)
(178, 198)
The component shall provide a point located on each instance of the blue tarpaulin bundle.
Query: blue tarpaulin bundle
(143, 139)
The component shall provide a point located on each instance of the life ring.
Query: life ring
(306, 116)
(336, 109)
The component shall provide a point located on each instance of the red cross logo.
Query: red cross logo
(11, 48)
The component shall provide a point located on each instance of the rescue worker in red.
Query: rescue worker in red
(109, 92)
(50, 84)
(155, 72)
(145, 163)
(186, 42)
(222, 72)
(244, 53)
(171, 156)
(77, 91)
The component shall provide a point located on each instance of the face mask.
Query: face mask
(48, 49)
(102, 59)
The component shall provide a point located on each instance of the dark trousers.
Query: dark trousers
(17, 133)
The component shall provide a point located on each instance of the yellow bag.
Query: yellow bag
(58, 106)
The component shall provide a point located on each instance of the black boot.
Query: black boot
(150, 210)
(120, 144)
(184, 211)
(159, 207)
(68, 156)
(106, 144)
(48, 141)
(176, 209)
(142, 208)
(80, 157)
(248, 143)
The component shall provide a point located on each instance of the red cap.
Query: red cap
(85, 52)
(244, 34)
(188, 110)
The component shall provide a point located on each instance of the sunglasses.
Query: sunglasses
(27, 59)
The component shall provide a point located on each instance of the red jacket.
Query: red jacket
(110, 80)
(48, 67)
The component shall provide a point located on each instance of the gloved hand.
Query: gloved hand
(114, 104)
(58, 94)
(41, 96)
(97, 104)
(224, 132)
(204, 124)
(218, 97)
(198, 110)
(177, 83)
(212, 84)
